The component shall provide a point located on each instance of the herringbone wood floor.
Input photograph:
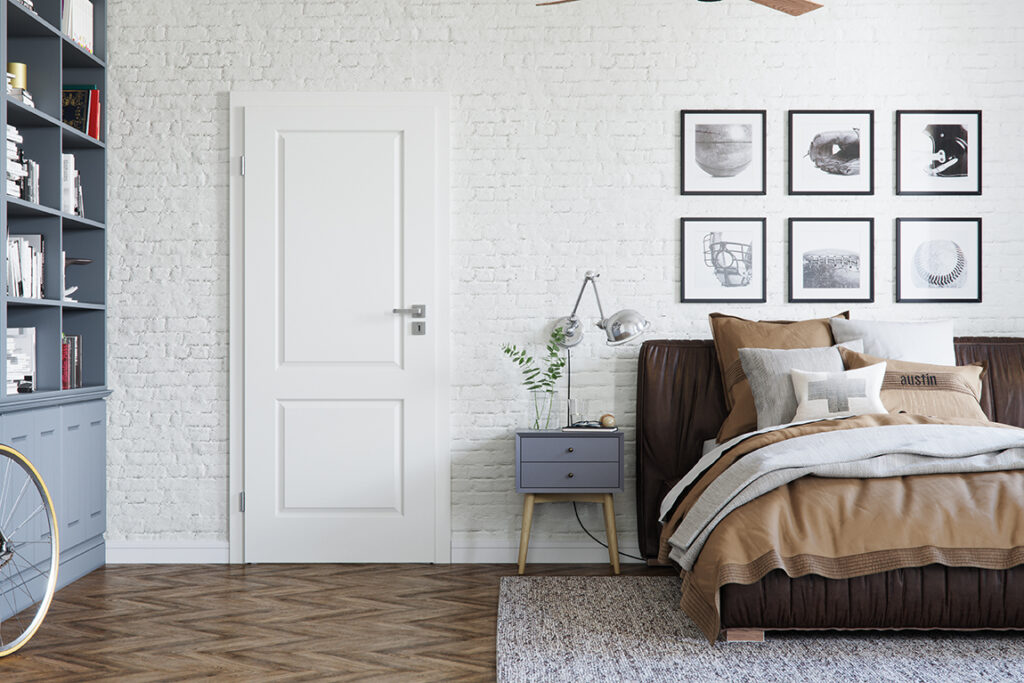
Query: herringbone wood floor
(276, 623)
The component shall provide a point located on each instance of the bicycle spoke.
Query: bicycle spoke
(15, 612)
(30, 564)
(14, 507)
(35, 512)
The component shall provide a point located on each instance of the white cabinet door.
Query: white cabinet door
(345, 215)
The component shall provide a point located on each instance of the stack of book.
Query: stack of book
(71, 361)
(76, 22)
(80, 108)
(20, 94)
(71, 200)
(22, 173)
(21, 360)
(25, 266)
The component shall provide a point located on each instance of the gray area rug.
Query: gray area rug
(630, 628)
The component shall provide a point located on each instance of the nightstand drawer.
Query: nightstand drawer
(569, 475)
(563, 449)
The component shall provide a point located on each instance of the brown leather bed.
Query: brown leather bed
(680, 405)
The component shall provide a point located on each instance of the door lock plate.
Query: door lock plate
(419, 329)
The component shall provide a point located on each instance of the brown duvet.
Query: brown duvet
(842, 528)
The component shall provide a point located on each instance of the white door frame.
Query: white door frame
(439, 317)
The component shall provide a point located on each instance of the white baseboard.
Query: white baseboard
(216, 552)
(167, 552)
(480, 553)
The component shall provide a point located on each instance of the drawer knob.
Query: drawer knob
(570, 449)
(571, 475)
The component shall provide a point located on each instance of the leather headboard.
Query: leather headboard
(680, 405)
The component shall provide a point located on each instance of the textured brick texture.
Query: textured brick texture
(565, 143)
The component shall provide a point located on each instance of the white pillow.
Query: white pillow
(918, 342)
(838, 394)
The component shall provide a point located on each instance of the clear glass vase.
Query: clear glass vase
(544, 411)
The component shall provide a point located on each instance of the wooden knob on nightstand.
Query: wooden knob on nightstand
(571, 475)
(570, 449)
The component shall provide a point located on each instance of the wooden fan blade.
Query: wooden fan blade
(793, 7)
(554, 2)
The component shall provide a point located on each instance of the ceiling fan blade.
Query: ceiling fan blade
(793, 7)
(554, 2)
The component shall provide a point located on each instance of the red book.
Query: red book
(93, 128)
(65, 365)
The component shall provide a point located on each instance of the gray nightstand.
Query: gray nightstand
(555, 466)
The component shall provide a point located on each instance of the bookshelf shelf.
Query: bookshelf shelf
(49, 250)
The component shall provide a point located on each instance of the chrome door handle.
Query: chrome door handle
(416, 311)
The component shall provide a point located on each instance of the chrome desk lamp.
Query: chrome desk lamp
(619, 328)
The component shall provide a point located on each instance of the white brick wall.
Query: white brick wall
(564, 158)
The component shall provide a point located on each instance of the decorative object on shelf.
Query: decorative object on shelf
(17, 83)
(723, 260)
(831, 260)
(608, 420)
(540, 381)
(71, 261)
(723, 151)
(831, 152)
(620, 328)
(21, 359)
(938, 260)
(938, 152)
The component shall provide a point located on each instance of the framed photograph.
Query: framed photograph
(831, 152)
(938, 152)
(831, 259)
(723, 260)
(723, 151)
(938, 260)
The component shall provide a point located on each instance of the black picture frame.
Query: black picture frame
(943, 255)
(714, 163)
(831, 265)
(722, 261)
(918, 169)
(831, 173)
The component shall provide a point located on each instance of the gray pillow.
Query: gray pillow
(768, 371)
(918, 342)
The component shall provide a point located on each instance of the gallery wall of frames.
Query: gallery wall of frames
(831, 259)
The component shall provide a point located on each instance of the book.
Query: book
(75, 108)
(25, 258)
(21, 358)
(94, 114)
(71, 361)
(67, 183)
(76, 22)
(65, 364)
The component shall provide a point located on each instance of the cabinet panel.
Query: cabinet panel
(84, 472)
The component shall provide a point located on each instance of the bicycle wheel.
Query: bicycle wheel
(29, 550)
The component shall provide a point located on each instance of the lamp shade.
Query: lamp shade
(624, 326)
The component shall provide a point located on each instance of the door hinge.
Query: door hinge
(241, 164)
(241, 501)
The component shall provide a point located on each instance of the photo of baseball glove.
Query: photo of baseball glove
(837, 152)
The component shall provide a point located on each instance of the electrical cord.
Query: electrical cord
(600, 542)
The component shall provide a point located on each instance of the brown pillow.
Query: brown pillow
(732, 334)
(924, 389)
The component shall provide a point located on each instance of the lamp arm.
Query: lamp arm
(579, 297)
(599, 308)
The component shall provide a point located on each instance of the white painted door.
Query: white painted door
(345, 219)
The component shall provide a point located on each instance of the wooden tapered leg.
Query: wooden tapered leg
(609, 529)
(524, 538)
(744, 635)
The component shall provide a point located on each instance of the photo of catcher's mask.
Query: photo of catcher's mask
(949, 150)
(733, 262)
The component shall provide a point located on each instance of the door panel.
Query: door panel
(342, 217)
